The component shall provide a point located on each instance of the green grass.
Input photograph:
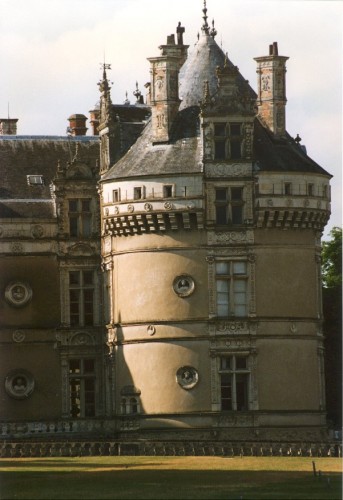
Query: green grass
(169, 478)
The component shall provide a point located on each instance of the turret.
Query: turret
(271, 99)
(164, 88)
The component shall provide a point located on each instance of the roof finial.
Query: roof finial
(205, 27)
(213, 31)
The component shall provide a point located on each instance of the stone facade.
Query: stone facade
(183, 312)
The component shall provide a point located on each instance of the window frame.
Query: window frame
(230, 292)
(79, 380)
(229, 207)
(80, 219)
(233, 372)
(81, 287)
(225, 140)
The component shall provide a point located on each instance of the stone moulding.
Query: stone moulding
(226, 170)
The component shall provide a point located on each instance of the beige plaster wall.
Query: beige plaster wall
(43, 362)
(144, 291)
(152, 368)
(287, 374)
(286, 282)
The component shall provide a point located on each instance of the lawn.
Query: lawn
(165, 478)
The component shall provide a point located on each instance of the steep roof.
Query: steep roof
(22, 156)
(182, 155)
(200, 66)
(281, 154)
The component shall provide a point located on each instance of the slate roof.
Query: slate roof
(181, 156)
(281, 154)
(200, 66)
(21, 156)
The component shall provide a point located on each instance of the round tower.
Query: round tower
(211, 240)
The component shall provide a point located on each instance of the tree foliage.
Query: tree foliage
(332, 259)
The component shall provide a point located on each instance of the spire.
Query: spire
(205, 27)
(213, 31)
(104, 83)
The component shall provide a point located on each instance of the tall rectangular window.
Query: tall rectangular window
(234, 383)
(231, 288)
(229, 206)
(80, 217)
(82, 387)
(81, 298)
(228, 140)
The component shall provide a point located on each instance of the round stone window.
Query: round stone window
(187, 377)
(19, 384)
(183, 285)
(18, 293)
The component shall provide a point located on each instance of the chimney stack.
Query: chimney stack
(95, 119)
(77, 124)
(164, 89)
(271, 94)
(8, 126)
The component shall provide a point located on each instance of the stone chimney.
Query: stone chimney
(164, 88)
(8, 126)
(95, 119)
(77, 124)
(271, 94)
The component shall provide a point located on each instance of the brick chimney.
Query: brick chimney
(164, 88)
(271, 100)
(95, 119)
(77, 124)
(8, 126)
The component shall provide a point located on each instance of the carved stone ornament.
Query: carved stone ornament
(18, 294)
(130, 208)
(17, 247)
(18, 336)
(187, 377)
(183, 285)
(148, 207)
(37, 231)
(168, 205)
(151, 330)
(19, 384)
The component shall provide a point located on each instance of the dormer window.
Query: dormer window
(137, 193)
(228, 140)
(288, 188)
(80, 217)
(35, 180)
(167, 191)
(229, 206)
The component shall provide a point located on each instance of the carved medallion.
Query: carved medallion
(187, 377)
(183, 285)
(18, 294)
(19, 384)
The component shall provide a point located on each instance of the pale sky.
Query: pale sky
(51, 50)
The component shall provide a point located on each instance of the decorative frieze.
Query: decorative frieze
(220, 170)
(230, 237)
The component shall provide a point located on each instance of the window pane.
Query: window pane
(222, 268)
(240, 310)
(239, 286)
(219, 150)
(239, 267)
(242, 392)
(86, 205)
(237, 214)
(225, 364)
(241, 363)
(236, 193)
(72, 205)
(223, 287)
(167, 191)
(220, 129)
(235, 149)
(73, 226)
(221, 194)
(115, 195)
(74, 366)
(221, 214)
(75, 403)
(88, 365)
(137, 193)
(235, 129)
(87, 277)
(74, 278)
(86, 225)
